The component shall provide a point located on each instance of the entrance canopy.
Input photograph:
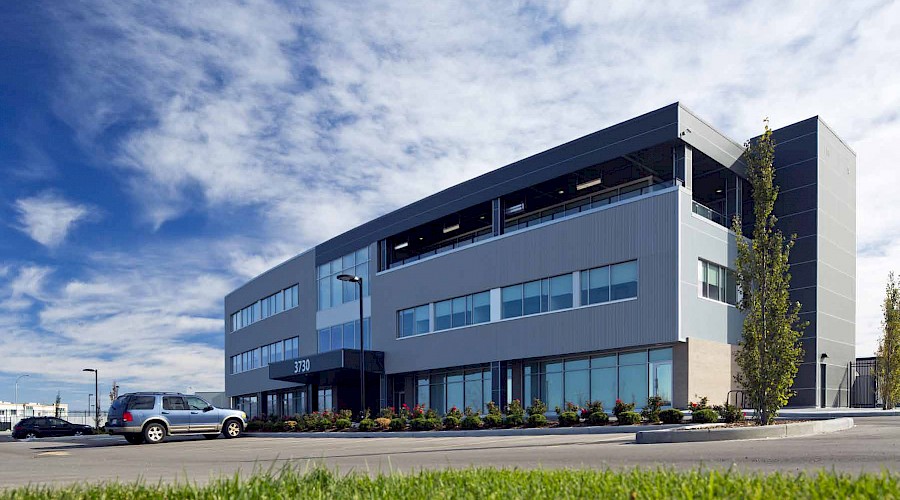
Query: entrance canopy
(327, 365)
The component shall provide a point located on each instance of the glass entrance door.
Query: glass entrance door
(661, 381)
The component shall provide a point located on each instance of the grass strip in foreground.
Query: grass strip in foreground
(495, 483)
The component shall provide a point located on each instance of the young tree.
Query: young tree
(887, 365)
(769, 353)
(56, 405)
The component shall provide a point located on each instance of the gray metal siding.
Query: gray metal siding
(642, 229)
(300, 321)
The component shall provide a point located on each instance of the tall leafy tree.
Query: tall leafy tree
(57, 409)
(887, 366)
(769, 353)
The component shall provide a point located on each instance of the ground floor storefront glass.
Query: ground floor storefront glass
(629, 376)
(461, 389)
(284, 403)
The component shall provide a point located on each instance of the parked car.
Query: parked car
(38, 427)
(148, 417)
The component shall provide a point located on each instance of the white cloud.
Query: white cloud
(48, 218)
(26, 287)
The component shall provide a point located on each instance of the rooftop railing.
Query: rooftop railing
(710, 214)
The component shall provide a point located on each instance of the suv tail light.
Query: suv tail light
(126, 417)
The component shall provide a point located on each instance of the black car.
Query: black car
(37, 427)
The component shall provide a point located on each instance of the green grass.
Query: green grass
(499, 484)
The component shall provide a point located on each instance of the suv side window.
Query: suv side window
(141, 403)
(55, 422)
(174, 403)
(41, 422)
(196, 403)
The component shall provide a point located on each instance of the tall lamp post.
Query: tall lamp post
(362, 348)
(96, 399)
(89, 405)
(17, 394)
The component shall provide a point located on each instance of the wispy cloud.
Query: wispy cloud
(47, 218)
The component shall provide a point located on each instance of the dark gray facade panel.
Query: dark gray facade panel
(643, 229)
(796, 200)
(300, 321)
(651, 129)
(796, 175)
(800, 224)
(804, 249)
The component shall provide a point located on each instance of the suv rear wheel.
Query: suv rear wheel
(134, 438)
(232, 429)
(154, 433)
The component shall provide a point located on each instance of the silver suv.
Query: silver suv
(148, 417)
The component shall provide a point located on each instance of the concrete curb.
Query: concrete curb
(551, 431)
(717, 432)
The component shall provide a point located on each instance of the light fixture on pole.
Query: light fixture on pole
(17, 394)
(96, 399)
(362, 349)
(88, 406)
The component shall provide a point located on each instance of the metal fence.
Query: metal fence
(863, 384)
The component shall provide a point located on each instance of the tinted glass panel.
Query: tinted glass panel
(422, 320)
(442, 315)
(482, 303)
(174, 403)
(604, 386)
(633, 384)
(623, 279)
(512, 301)
(561, 292)
(599, 280)
(459, 312)
(141, 403)
(531, 304)
(661, 354)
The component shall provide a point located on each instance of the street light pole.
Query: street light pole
(88, 406)
(17, 394)
(96, 398)
(362, 348)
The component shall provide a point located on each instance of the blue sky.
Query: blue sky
(153, 156)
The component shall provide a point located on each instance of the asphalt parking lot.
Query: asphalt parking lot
(872, 446)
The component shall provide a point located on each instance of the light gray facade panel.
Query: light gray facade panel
(703, 239)
(643, 229)
(837, 235)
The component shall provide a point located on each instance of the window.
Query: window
(548, 294)
(603, 284)
(413, 321)
(141, 403)
(283, 300)
(442, 391)
(174, 403)
(195, 403)
(333, 292)
(344, 336)
(716, 282)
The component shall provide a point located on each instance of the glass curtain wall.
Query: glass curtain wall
(333, 292)
(460, 389)
(630, 376)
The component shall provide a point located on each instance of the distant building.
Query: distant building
(10, 413)
(600, 269)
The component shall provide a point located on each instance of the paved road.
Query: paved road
(873, 445)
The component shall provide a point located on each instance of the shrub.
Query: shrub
(597, 418)
(387, 412)
(492, 408)
(398, 424)
(701, 405)
(621, 408)
(254, 425)
(537, 407)
(383, 423)
(537, 420)
(493, 420)
(348, 414)
(290, 425)
(729, 413)
(472, 422)
(451, 422)
(454, 412)
(278, 426)
(513, 421)
(342, 423)
(671, 416)
(367, 425)
(568, 419)
(704, 416)
(651, 411)
(405, 411)
(431, 414)
(417, 411)
(421, 424)
(628, 418)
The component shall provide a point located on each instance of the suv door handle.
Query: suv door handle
(164, 412)
(194, 413)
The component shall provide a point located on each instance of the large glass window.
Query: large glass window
(413, 321)
(442, 391)
(633, 377)
(481, 307)
(283, 300)
(334, 292)
(548, 294)
(344, 336)
(716, 282)
(532, 297)
(512, 301)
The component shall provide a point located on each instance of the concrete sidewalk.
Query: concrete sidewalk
(816, 413)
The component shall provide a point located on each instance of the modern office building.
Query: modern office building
(596, 270)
